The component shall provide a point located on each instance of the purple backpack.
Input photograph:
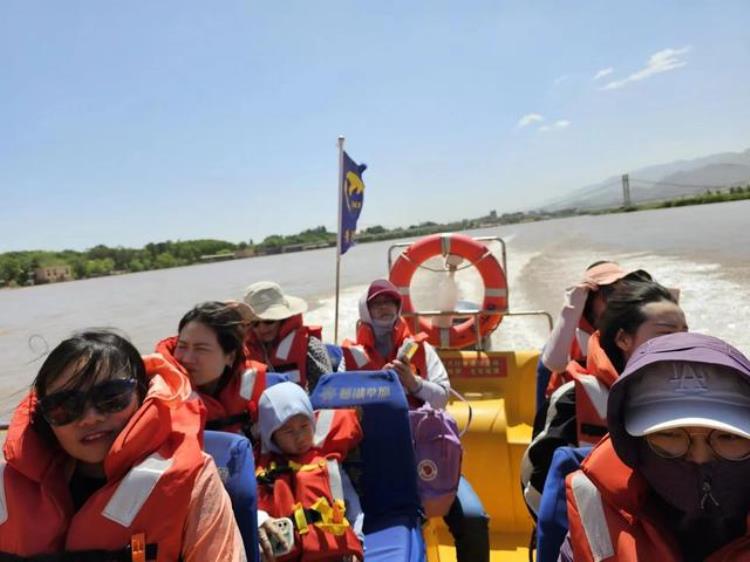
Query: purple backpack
(438, 451)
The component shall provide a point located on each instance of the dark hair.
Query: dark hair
(607, 290)
(226, 322)
(91, 353)
(625, 312)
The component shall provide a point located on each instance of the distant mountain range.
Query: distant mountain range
(663, 181)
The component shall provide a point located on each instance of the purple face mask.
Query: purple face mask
(718, 489)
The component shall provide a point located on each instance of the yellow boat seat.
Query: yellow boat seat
(500, 388)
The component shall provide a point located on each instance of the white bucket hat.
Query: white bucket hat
(268, 302)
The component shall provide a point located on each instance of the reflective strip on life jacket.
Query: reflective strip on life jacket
(591, 511)
(359, 354)
(285, 345)
(322, 426)
(334, 479)
(3, 501)
(135, 488)
(597, 393)
(248, 383)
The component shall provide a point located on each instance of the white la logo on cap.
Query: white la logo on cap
(689, 381)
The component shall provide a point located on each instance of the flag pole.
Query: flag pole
(340, 183)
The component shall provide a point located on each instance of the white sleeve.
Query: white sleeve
(436, 387)
(354, 513)
(557, 349)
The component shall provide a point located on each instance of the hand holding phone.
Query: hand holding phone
(407, 352)
(282, 541)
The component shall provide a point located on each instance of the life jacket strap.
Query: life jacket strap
(327, 517)
(267, 476)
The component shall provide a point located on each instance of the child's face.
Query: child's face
(295, 437)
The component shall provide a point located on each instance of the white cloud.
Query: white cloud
(604, 72)
(663, 61)
(556, 126)
(528, 119)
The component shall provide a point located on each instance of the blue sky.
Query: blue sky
(129, 122)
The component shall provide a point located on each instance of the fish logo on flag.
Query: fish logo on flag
(353, 197)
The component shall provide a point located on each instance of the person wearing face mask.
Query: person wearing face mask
(382, 335)
(576, 412)
(670, 481)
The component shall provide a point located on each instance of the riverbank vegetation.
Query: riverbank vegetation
(23, 267)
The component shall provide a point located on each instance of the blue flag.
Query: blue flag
(353, 197)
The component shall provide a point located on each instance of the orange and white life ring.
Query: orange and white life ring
(478, 255)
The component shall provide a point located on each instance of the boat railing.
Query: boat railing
(476, 314)
(478, 238)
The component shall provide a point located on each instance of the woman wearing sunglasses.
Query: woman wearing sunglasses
(278, 337)
(671, 481)
(104, 455)
(209, 347)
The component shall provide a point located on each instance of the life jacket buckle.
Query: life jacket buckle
(138, 547)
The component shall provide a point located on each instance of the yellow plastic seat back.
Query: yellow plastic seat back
(500, 388)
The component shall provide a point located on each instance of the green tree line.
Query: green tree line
(17, 268)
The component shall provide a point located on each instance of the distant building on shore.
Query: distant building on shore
(52, 274)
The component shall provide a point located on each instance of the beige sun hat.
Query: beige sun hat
(268, 302)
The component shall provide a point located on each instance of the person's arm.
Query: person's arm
(318, 362)
(210, 531)
(557, 349)
(435, 389)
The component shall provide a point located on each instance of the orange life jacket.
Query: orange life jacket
(150, 471)
(592, 386)
(362, 355)
(308, 489)
(288, 354)
(236, 404)
(609, 522)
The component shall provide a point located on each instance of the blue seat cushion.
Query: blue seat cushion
(552, 525)
(233, 456)
(397, 539)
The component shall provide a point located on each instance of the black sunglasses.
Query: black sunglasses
(66, 406)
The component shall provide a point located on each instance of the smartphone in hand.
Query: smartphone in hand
(407, 352)
(286, 530)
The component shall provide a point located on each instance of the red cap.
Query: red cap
(383, 287)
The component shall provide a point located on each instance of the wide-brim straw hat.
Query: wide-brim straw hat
(267, 301)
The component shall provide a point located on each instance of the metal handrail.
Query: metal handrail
(478, 238)
(476, 314)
